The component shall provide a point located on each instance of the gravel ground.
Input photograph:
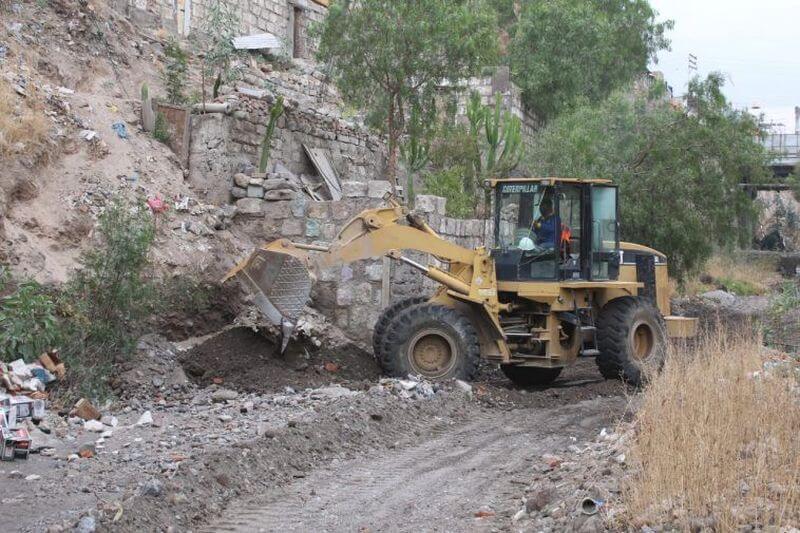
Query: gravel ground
(246, 435)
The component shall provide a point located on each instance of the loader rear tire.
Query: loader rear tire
(388, 314)
(528, 376)
(632, 340)
(432, 341)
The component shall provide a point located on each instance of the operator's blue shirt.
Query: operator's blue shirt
(546, 233)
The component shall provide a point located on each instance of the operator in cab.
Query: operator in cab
(547, 225)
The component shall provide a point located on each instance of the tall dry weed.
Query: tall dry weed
(24, 127)
(717, 440)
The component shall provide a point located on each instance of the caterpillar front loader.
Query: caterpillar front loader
(556, 285)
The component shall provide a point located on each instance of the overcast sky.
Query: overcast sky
(754, 43)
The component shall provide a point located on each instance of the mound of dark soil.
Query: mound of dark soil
(243, 359)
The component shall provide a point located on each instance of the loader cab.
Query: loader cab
(556, 230)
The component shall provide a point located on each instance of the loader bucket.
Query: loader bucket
(280, 283)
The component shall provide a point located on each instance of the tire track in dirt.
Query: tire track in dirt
(437, 483)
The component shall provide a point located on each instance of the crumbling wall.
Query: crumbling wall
(353, 295)
(225, 144)
(255, 16)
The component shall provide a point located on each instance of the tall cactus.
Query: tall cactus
(504, 139)
(266, 143)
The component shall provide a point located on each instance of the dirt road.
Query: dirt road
(437, 484)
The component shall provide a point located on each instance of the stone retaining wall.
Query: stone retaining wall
(223, 145)
(354, 295)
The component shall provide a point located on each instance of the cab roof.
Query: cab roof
(552, 180)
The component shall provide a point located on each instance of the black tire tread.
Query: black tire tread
(612, 333)
(387, 315)
(411, 319)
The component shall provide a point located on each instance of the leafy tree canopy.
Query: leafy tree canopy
(679, 171)
(386, 55)
(565, 52)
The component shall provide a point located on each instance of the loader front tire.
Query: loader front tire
(527, 376)
(632, 340)
(388, 314)
(432, 341)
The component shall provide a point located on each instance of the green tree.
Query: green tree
(679, 170)
(386, 55)
(175, 72)
(564, 52)
(220, 60)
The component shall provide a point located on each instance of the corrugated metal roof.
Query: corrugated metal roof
(258, 41)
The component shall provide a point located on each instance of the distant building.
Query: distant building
(784, 149)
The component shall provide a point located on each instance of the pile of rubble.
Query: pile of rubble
(577, 490)
(24, 400)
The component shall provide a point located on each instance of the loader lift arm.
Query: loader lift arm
(279, 274)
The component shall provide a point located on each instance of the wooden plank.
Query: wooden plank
(325, 169)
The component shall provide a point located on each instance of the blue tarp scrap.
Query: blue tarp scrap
(122, 131)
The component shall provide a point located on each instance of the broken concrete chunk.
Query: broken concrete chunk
(222, 395)
(93, 425)
(145, 420)
(464, 387)
(277, 195)
(720, 297)
(256, 182)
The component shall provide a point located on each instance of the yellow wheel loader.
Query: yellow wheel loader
(557, 285)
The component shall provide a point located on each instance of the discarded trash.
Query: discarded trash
(87, 451)
(122, 131)
(331, 367)
(88, 135)
(157, 205)
(590, 506)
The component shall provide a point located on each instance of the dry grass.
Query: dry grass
(738, 274)
(718, 440)
(24, 128)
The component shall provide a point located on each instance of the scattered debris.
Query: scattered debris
(120, 129)
(325, 169)
(145, 420)
(88, 135)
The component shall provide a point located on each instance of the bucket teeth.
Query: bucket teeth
(280, 284)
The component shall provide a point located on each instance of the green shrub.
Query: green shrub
(106, 302)
(28, 322)
(161, 128)
(175, 72)
(781, 326)
(449, 184)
